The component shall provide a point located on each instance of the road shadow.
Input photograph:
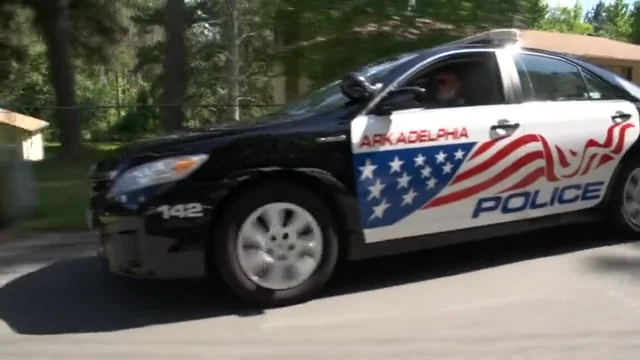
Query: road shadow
(622, 262)
(78, 296)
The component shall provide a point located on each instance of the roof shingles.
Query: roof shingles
(24, 122)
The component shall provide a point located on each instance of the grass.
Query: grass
(63, 190)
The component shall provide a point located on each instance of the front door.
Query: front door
(421, 171)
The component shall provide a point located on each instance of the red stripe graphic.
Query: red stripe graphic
(484, 147)
(549, 168)
(562, 157)
(527, 180)
(480, 187)
(498, 156)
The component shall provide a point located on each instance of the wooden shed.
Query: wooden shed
(21, 137)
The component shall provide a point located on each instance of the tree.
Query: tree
(233, 37)
(71, 30)
(596, 17)
(617, 20)
(55, 22)
(634, 26)
(174, 75)
(568, 20)
(535, 12)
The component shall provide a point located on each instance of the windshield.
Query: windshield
(330, 97)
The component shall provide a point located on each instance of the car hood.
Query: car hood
(203, 138)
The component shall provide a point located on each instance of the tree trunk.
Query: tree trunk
(56, 33)
(233, 62)
(288, 33)
(174, 65)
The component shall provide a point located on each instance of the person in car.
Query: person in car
(449, 90)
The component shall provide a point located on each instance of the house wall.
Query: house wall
(627, 69)
(33, 147)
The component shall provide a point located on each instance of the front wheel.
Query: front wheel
(276, 245)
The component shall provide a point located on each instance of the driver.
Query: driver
(448, 89)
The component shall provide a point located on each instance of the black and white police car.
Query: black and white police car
(375, 165)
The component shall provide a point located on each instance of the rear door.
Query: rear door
(582, 131)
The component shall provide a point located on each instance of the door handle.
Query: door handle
(503, 128)
(620, 117)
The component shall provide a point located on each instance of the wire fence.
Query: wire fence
(112, 122)
(17, 108)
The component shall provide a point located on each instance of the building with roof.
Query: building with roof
(21, 137)
(617, 56)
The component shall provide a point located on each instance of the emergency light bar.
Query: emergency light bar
(496, 37)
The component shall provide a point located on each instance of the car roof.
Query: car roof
(446, 48)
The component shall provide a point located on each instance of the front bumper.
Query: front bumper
(129, 250)
(140, 235)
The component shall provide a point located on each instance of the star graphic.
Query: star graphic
(367, 170)
(403, 181)
(447, 168)
(431, 183)
(426, 172)
(395, 165)
(376, 189)
(459, 154)
(407, 198)
(378, 211)
(440, 157)
(419, 159)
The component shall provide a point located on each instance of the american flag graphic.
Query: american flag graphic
(393, 184)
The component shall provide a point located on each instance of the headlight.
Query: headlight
(157, 172)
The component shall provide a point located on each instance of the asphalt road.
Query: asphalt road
(572, 293)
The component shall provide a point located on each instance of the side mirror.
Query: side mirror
(399, 99)
(356, 87)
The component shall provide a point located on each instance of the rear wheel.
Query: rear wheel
(624, 212)
(276, 245)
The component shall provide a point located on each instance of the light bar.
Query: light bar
(498, 36)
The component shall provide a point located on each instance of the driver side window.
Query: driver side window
(467, 79)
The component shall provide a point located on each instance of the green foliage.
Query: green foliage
(634, 27)
(567, 20)
(140, 120)
(118, 49)
(534, 13)
(62, 190)
(614, 20)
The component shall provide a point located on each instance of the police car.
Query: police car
(376, 164)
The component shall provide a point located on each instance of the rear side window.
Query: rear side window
(547, 79)
(598, 89)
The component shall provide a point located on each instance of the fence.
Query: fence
(107, 122)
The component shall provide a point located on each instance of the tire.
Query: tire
(619, 217)
(227, 251)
